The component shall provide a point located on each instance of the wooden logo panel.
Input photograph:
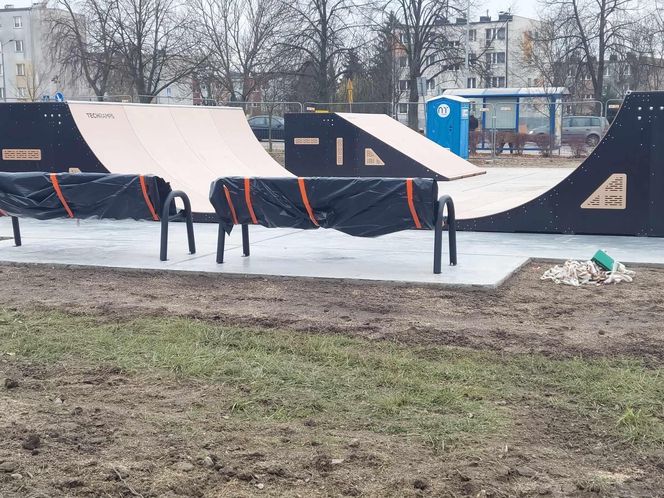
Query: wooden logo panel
(21, 154)
(306, 141)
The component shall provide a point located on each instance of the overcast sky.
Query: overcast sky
(527, 8)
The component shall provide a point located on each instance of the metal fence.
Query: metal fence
(535, 127)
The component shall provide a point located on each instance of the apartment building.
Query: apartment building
(27, 71)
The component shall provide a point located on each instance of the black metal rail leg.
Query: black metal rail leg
(17, 231)
(166, 218)
(443, 202)
(245, 240)
(221, 243)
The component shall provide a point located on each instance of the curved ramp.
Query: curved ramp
(374, 145)
(617, 190)
(186, 145)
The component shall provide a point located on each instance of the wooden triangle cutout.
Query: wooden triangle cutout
(612, 194)
(371, 158)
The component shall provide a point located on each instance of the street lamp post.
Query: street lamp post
(4, 69)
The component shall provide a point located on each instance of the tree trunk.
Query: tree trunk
(413, 105)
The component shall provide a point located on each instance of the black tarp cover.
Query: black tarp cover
(86, 195)
(364, 207)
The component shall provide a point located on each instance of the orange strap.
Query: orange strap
(247, 198)
(305, 199)
(58, 192)
(144, 188)
(230, 205)
(411, 204)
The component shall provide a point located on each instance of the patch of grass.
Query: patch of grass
(440, 396)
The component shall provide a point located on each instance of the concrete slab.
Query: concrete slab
(485, 259)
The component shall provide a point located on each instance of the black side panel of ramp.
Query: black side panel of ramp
(323, 144)
(43, 137)
(617, 190)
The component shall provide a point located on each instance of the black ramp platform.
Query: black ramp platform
(366, 145)
(617, 190)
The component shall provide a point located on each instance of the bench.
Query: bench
(363, 207)
(46, 196)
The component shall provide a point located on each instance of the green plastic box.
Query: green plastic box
(604, 260)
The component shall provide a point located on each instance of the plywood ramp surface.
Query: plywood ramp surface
(412, 144)
(188, 146)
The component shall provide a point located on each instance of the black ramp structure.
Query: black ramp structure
(366, 145)
(617, 190)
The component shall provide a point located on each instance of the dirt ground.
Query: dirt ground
(108, 433)
(525, 315)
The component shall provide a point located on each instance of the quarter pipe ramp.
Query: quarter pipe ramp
(617, 190)
(189, 146)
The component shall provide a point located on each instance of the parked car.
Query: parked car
(261, 127)
(589, 128)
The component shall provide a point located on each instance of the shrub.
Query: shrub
(544, 143)
(579, 146)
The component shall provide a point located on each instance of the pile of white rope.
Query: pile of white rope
(587, 272)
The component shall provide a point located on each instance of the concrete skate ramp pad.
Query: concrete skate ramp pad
(186, 145)
(414, 145)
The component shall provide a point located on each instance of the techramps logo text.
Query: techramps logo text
(100, 115)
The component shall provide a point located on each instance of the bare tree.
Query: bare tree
(424, 42)
(83, 40)
(322, 32)
(590, 30)
(155, 44)
(243, 41)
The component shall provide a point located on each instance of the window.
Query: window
(431, 84)
(431, 59)
(488, 33)
(594, 122)
(606, 70)
(18, 46)
(403, 108)
(21, 91)
(403, 61)
(18, 22)
(497, 81)
(472, 83)
(500, 34)
(628, 70)
(404, 85)
(495, 58)
(20, 69)
(259, 121)
(472, 35)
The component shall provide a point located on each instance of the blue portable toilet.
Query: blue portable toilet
(447, 123)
